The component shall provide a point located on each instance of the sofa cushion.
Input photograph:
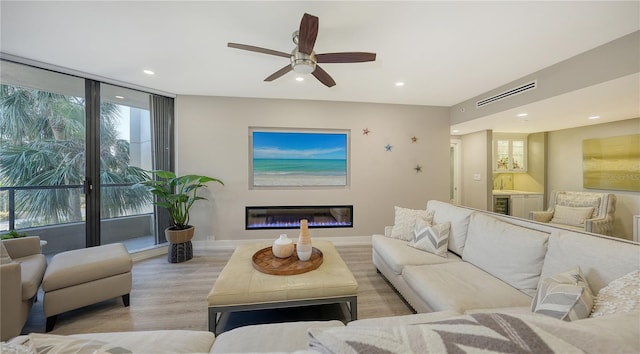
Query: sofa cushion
(620, 296)
(459, 219)
(574, 216)
(601, 259)
(431, 238)
(461, 286)
(511, 253)
(32, 270)
(274, 337)
(160, 342)
(565, 296)
(623, 327)
(397, 254)
(87, 264)
(405, 222)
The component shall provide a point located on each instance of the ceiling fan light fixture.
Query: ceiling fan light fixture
(303, 63)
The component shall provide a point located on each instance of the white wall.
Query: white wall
(565, 167)
(212, 139)
(476, 155)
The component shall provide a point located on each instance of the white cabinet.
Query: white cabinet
(522, 204)
(510, 153)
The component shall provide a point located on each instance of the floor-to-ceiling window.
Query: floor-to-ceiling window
(126, 214)
(70, 150)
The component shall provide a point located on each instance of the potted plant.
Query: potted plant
(13, 234)
(177, 195)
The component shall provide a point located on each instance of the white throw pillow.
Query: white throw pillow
(405, 222)
(578, 200)
(54, 344)
(620, 296)
(431, 238)
(565, 296)
(574, 216)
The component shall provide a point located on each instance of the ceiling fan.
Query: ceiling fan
(303, 59)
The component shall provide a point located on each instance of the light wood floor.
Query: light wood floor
(173, 296)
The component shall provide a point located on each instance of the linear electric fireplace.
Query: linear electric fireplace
(288, 217)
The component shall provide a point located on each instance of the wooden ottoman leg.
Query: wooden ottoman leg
(51, 322)
(125, 300)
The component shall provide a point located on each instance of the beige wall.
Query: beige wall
(212, 139)
(476, 155)
(565, 167)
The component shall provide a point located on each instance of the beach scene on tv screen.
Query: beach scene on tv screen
(299, 159)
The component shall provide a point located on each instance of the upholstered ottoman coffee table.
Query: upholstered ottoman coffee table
(240, 287)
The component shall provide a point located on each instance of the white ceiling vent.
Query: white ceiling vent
(514, 91)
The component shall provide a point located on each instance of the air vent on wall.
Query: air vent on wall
(501, 96)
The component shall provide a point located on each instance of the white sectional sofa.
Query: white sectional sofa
(495, 261)
(477, 298)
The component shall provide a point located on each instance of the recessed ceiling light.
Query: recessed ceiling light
(594, 117)
(299, 78)
(148, 72)
(120, 97)
(455, 131)
(399, 84)
(522, 114)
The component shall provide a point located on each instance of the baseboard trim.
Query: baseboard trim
(213, 245)
(232, 244)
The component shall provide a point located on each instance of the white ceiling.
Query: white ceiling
(445, 52)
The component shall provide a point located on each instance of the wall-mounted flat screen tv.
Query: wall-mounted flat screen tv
(292, 158)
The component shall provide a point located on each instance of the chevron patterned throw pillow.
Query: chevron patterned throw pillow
(433, 238)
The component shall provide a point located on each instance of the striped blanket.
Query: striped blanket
(477, 333)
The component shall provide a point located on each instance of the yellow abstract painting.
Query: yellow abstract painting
(612, 163)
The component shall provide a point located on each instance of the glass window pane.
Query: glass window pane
(42, 155)
(126, 153)
(502, 154)
(517, 154)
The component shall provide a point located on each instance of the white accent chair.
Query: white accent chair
(599, 222)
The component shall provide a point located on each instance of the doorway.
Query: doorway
(455, 168)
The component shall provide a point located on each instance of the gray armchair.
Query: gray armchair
(22, 267)
(599, 222)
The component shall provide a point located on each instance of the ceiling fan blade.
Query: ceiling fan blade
(323, 77)
(346, 57)
(279, 73)
(308, 33)
(258, 49)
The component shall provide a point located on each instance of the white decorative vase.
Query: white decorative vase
(282, 247)
(303, 248)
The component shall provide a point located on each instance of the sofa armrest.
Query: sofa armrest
(603, 226)
(10, 300)
(541, 216)
(23, 246)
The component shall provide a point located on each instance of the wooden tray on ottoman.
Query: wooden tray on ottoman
(265, 262)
